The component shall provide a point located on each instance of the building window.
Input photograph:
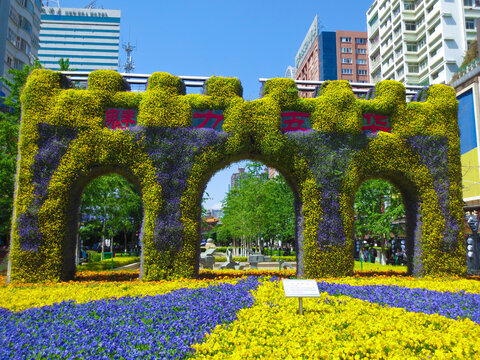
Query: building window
(411, 46)
(346, 50)
(18, 64)
(409, 5)
(433, 28)
(9, 60)
(420, 21)
(14, 15)
(346, 39)
(346, 61)
(396, 11)
(361, 51)
(362, 61)
(470, 24)
(422, 42)
(422, 65)
(410, 26)
(468, 2)
(347, 71)
(400, 72)
(25, 24)
(360, 41)
(436, 74)
(11, 36)
(413, 68)
(361, 72)
(435, 51)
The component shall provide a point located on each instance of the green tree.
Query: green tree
(9, 126)
(64, 64)
(258, 209)
(377, 205)
(110, 205)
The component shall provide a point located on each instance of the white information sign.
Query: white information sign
(300, 288)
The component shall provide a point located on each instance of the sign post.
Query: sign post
(300, 289)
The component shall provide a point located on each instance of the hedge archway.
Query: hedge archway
(170, 144)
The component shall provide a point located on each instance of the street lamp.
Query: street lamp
(473, 246)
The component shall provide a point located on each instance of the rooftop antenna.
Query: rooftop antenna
(47, 3)
(129, 64)
(91, 5)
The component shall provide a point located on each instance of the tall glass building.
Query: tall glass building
(89, 38)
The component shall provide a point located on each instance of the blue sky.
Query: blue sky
(244, 39)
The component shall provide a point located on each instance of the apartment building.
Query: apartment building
(419, 42)
(89, 38)
(19, 35)
(332, 55)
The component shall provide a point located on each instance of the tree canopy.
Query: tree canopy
(258, 207)
(110, 205)
(9, 127)
(377, 205)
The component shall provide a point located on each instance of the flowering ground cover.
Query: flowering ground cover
(148, 327)
(24, 296)
(337, 327)
(383, 317)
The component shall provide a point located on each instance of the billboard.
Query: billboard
(469, 142)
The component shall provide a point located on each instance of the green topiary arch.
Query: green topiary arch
(179, 141)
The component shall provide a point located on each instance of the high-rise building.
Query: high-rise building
(19, 31)
(236, 177)
(332, 55)
(419, 42)
(89, 38)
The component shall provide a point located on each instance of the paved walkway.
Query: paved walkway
(263, 265)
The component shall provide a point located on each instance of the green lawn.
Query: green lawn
(107, 263)
(367, 266)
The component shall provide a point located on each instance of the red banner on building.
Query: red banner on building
(116, 118)
(372, 123)
(295, 121)
(208, 119)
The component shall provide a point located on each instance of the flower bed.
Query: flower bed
(369, 317)
(338, 327)
(150, 327)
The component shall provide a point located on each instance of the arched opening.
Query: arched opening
(104, 219)
(249, 208)
(385, 222)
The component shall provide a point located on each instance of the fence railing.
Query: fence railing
(141, 80)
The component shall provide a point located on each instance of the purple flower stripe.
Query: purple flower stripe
(433, 151)
(151, 327)
(454, 305)
(329, 162)
(52, 145)
(173, 152)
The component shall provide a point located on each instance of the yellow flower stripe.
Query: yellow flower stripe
(21, 297)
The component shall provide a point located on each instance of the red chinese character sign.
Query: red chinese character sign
(295, 121)
(372, 123)
(208, 119)
(116, 118)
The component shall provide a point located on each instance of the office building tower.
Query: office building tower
(89, 38)
(19, 35)
(332, 55)
(419, 42)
